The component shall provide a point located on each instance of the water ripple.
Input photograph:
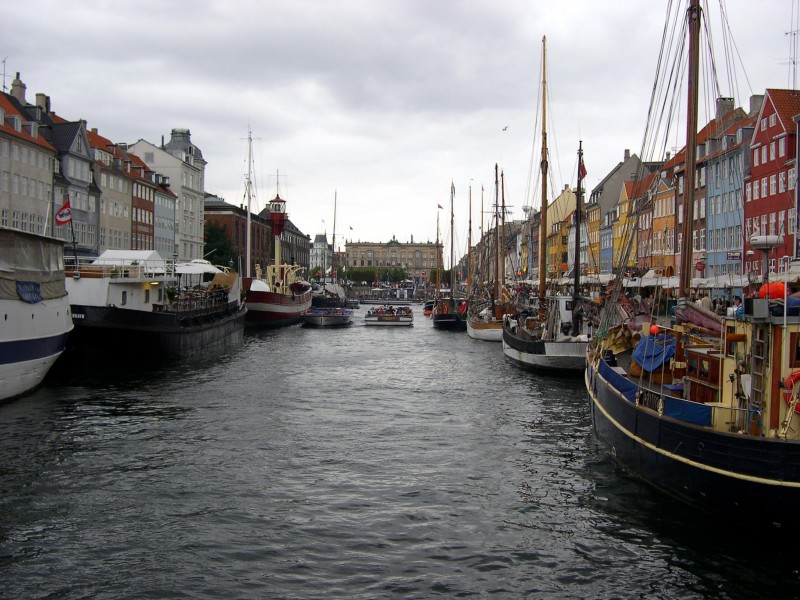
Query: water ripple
(352, 464)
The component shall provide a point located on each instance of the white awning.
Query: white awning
(196, 267)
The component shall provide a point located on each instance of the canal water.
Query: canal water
(357, 463)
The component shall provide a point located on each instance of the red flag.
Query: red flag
(64, 214)
(582, 170)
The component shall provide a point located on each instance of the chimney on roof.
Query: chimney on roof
(94, 130)
(724, 106)
(18, 89)
(756, 100)
(41, 102)
(669, 155)
(627, 153)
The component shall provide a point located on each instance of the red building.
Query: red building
(769, 207)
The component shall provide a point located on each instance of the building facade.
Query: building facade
(182, 162)
(418, 259)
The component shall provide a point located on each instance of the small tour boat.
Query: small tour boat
(390, 316)
(327, 317)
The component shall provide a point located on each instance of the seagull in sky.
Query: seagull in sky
(505, 128)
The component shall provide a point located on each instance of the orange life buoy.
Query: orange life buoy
(445, 309)
(788, 388)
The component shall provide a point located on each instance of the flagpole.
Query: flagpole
(74, 243)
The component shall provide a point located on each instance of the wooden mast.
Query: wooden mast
(693, 17)
(496, 236)
(469, 246)
(248, 192)
(503, 228)
(576, 266)
(333, 243)
(498, 310)
(452, 224)
(543, 222)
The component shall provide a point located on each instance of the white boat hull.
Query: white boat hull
(487, 332)
(565, 356)
(33, 333)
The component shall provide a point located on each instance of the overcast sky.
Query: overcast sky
(382, 102)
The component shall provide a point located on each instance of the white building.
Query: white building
(182, 162)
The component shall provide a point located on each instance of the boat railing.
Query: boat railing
(193, 304)
(92, 267)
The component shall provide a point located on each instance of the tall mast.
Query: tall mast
(496, 234)
(333, 241)
(248, 193)
(576, 267)
(438, 262)
(543, 223)
(503, 228)
(693, 16)
(469, 245)
(452, 222)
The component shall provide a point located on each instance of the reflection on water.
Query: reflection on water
(356, 463)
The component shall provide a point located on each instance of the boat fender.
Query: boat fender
(788, 389)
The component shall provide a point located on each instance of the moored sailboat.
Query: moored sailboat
(555, 340)
(449, 313)
(713, 420)
(487, 306)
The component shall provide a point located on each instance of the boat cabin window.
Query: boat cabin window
(794, 350)
(124, 300)
(147, 296)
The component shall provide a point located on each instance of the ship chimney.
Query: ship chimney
(18, 89)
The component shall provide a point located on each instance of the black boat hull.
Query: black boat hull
(753, 480)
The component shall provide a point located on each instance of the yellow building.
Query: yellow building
(593, 231)
(625, 228)
(664, 229)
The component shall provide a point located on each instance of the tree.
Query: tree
(218, 248)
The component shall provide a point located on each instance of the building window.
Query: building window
(782, 147)
(755, 157)
(772, 120)
(772, 150)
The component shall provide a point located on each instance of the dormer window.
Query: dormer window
(17, 124)
(2, 116)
